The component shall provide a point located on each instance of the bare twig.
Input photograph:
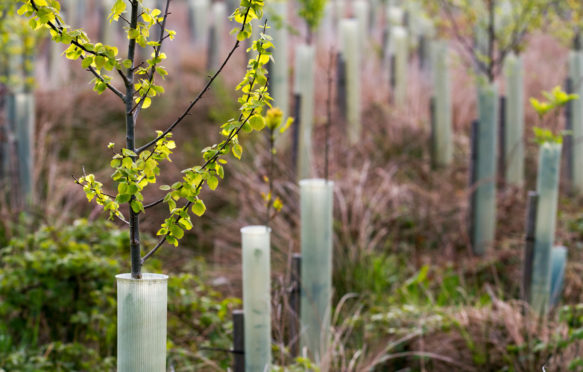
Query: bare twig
(232, 135)
(198, 97)
(59, 29)
(157, 50)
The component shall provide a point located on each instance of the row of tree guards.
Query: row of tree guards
(498, 129)
(314, 285)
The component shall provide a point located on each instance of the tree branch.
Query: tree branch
(59, 29)
(198, 97)
(213, 159)
(120, 216)
(111, 87)
(157, 50)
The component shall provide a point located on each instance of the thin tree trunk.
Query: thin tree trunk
(135, 251)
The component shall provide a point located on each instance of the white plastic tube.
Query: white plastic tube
(215, 47)
(141, 323)
(279, 82)
(24, 122)
(576, 75)
(442, 131)
(395, 16)
(514, 128)
(362, 14)
(304, 87)
(199, 14)
(106, 30)
(558, 263)
(546, 217)
(316, 202)
(349, 29)
(400, 50)
(339, 11)
(256, 297)
(484, 213)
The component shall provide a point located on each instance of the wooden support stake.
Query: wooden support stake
(529, 244)
(502, 141)
(474, 140)
(421, 52)
(296, 128)
(238, 341)
(392, 77)
(432, 145)
(294, 303)
(341, 87)
(568, 140)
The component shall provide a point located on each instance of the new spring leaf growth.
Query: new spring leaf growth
(135, 170)
(101, 59)
(542, 136)
(312, 11)
(555, 99)
(274, 119)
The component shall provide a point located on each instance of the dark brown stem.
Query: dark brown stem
(135, 251)
(491, 39)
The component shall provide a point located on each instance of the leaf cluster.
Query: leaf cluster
(312, 11)
(555, 99)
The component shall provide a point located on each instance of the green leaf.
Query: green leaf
(257, 122)
(87, 61)
(176, 231)
(122, 188)
(237, 150)
(136, 206)
(123, 198)
(213, 182)
(198, 207)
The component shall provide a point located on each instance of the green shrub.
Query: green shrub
(58, 303)
(57, 285)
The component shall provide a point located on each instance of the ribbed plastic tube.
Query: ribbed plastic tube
(106, 30)
(15, 70)
(141, 323)
(413, 26)
(400, 50)
(546, 217)
(199, 13)
(484, 213)
(219, 16)
(395, 16)
(325, 28)
(316, 203)
(576, 75)
(257, 297)
(339, 11)
(304, 87)
(279, 81)
(559, 263)
(73, 12)
(351, 54)
(361, 13)
(514, 128)
(57, 70)
(442, 131)
(24, 121)
(480, 41)
(374, 12)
